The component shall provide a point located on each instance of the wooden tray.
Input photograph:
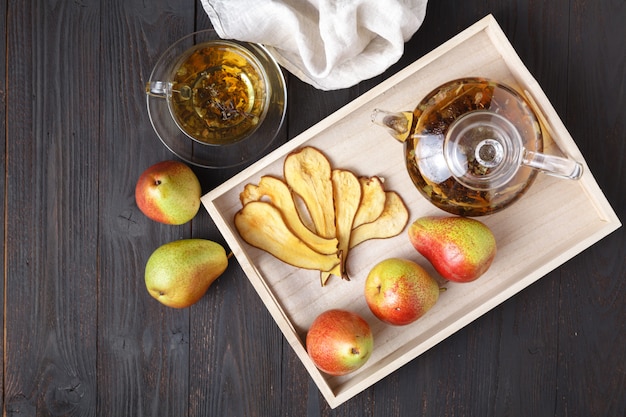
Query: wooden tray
(575, 213)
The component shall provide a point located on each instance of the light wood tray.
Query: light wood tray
(555, 220)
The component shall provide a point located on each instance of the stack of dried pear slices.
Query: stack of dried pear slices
(313, 217)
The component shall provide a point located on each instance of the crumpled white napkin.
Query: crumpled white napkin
(330, 44)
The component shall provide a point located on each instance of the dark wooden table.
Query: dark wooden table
(83, 337)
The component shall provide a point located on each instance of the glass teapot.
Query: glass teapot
(473, 146)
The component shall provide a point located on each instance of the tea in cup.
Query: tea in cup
(217, 92)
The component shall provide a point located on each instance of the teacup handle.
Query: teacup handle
(164, 89)
(157, 88)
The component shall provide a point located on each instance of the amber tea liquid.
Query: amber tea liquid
(425, 159)
(219, 93)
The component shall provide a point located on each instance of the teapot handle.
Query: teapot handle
(553, 165)
(549, 164)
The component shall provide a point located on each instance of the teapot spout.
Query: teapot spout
(398, 124)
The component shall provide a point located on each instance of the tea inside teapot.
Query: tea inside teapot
(473, 146)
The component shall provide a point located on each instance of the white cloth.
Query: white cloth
(330, 44)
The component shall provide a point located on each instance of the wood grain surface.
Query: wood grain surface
(82, 337)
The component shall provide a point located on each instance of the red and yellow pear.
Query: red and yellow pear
(461, 249)
(339, 342)
(168, 192)
(399, 291)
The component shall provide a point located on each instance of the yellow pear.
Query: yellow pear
(179, 273)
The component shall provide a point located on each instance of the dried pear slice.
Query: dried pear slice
(261, 225)
(278, 193)
(390, 223)
(308, 173)
(347, 197)
(372, 201)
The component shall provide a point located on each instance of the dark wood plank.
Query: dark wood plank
(143, 347)
(592, 330)
(51, 204)
(3, 182)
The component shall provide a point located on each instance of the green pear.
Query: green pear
(461, 249)
(179, 273)
(168, 192)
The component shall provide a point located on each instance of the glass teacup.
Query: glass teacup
(215, 102)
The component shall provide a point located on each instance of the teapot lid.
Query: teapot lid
(483, 150)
